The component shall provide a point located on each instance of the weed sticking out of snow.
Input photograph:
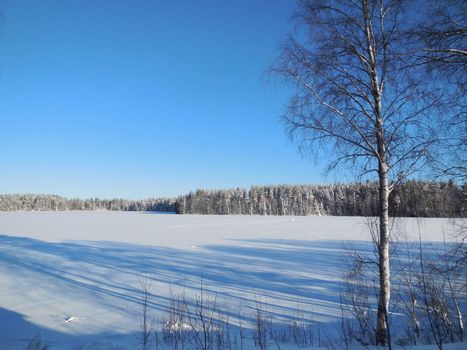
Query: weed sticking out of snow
(70, 319)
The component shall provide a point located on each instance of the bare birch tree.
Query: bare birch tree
(359, 97)
(440, 35)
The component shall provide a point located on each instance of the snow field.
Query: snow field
(76, 276)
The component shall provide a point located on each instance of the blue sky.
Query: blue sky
(143, 98)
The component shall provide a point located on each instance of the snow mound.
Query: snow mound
(177, 326)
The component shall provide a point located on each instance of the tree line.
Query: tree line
(412, 198)
(43, 202)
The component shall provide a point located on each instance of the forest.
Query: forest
(410, 199)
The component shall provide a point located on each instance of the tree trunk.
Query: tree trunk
(382, 336)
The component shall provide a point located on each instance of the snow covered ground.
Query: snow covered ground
(76, 276)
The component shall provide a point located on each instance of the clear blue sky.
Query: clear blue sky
(143, 98)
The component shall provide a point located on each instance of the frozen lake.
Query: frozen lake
(89, 265)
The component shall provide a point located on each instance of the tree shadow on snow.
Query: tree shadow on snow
(282, 274)
(16, 331)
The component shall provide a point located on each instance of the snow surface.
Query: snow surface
(75, 277)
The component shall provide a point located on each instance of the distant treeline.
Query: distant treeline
(42, 202)
(413, 198)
